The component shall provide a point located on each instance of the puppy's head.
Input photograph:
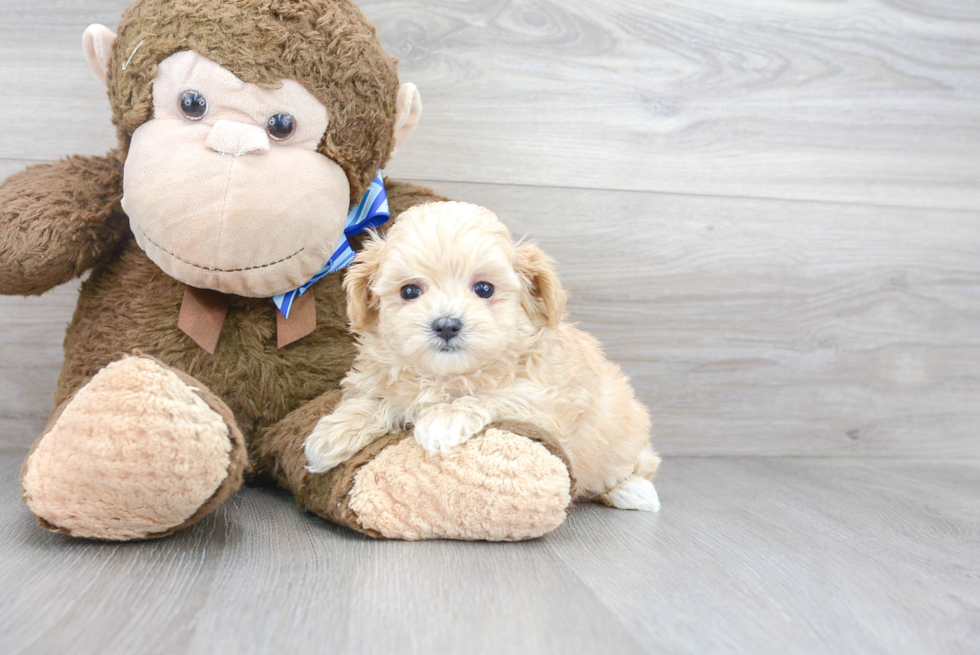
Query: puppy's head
(448, 292)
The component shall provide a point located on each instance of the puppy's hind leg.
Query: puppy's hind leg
(632, 493)
(636, 491)
(647, 464)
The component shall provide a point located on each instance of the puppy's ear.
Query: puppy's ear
(543, 298)
(362, 305)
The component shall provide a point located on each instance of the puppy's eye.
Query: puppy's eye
(281, 126)
(483, 289)
(193, 105)
(411, 291)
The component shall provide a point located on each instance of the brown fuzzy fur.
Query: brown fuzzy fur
(58, 221)
(327, 46)
(237, 467)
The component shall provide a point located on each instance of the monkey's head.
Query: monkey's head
(250, 128)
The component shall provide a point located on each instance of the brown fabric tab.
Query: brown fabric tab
(301, 321)
(202, 315)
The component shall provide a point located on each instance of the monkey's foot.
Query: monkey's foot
(509, 483)
(141, 451)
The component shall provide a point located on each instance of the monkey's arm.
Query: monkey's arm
(57, 221)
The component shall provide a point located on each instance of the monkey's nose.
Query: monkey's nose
(237, 139)
(447, 328)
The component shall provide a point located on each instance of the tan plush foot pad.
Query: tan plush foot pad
(499, 486)
(139, 452)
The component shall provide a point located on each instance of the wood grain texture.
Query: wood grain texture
(747, 556)
(31, 354)
(856, 101)
(843, 101)
(53, 103)
(773, 327)
(749, 327)
(804, 556)
(839, 318)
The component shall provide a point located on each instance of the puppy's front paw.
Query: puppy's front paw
(329, 445)
(438, 437)
(633, 493)
(442, 428)
(336, 438)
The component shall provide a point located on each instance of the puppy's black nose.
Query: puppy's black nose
(447, 328)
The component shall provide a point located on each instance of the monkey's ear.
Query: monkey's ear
(409, 110)
(362, 305)
(97, 44)
(543, 298)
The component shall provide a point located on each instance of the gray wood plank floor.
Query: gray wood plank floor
(800, 187)
(748, 555)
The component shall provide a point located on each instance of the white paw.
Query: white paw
(633, 493)
(328, 446)
(440, 430)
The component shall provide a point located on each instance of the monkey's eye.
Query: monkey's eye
(193, 105)
(281, 126)
(483, 289)
(411, 291)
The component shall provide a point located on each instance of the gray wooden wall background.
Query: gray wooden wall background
(768, 211)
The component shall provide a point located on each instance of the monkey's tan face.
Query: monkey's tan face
(224, 188)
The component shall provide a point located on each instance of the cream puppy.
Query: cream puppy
(459, 327)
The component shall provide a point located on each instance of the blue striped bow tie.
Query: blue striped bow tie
(370, 213)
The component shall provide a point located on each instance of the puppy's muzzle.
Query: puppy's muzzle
(447, 328)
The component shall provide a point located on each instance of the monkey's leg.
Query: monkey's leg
(57, 221)
(510, 482)
(139, 452)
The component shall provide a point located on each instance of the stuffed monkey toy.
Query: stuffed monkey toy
(211, 334)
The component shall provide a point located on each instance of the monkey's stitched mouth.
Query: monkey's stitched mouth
(219, 270)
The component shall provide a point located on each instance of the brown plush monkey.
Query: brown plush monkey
(247, 131)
